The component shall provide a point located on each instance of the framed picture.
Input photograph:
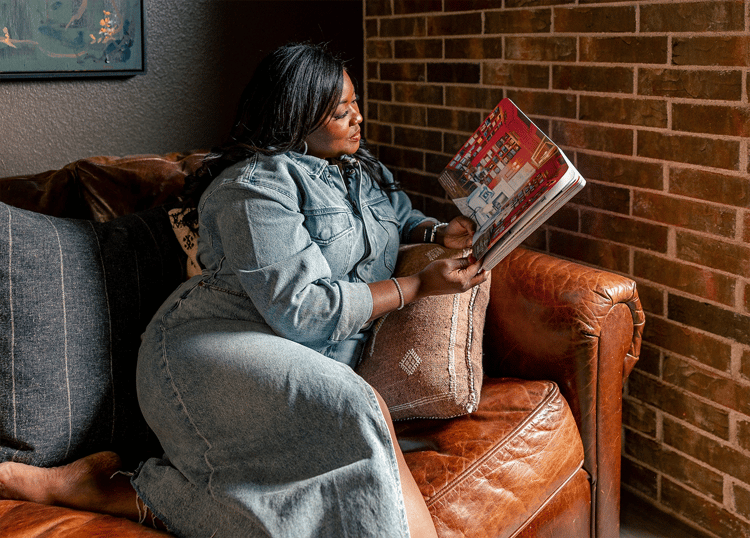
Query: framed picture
(71, 38)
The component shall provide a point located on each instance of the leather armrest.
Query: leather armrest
(579, 327)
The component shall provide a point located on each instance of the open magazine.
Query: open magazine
(509, 178)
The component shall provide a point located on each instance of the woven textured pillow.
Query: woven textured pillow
(75, 297)
(426, 359)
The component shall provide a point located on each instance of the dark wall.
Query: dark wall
(200, 54)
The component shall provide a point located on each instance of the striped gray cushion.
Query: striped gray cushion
(75, 297)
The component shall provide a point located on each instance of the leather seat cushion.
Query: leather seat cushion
(488, 473)
(19, 519)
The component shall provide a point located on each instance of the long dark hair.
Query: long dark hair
(293, 91)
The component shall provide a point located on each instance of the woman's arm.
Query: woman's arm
(438, 278)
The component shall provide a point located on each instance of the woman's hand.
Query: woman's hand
(440, 277)
(458, 234)
(450, 276)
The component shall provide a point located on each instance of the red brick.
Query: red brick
(675, 465)
(619, 171)
(690, 343)
(421, 183)
(649, 361)
(677, 403)
(624, 230)
(746, 233)
(418, 93)
(714, 16)
(709, 186)
(592, 78)
(419, 48)
(541, 49)
(403, 27)
(469, 5)
(716, 50)
(527, 21)
(474, 48)
(604, 254)
(638, 417)
(702, 512)
(643, 112)
(707, 317)
(411, 72)
(401, 157)
(592, 137)
(379, 49)
(416, 6)
(720, 120)
(745, 364)
(708, 251)
(407, 115)
(639, 478)
(515, 75)
(630, 49)
(689, 149)
(719, 455)
(652, 298)
(743, 432)
(452, 142)
(568, 218)
(605, 196)
(463, 73)
(723, 85)
(379, 133)
(706, 383)
(690, 279)
(535, 103)
(418, 138)
(742, 500)
(472, 97)
(469, 23)
(454, 120)
(583, 20)
(377, 8)
(379, 91)
(747, 298)
(685, 213)
(534, 3)
(435, 162)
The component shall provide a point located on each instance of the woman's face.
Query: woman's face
(339, 135)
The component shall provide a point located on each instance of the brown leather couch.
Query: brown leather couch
(540, 457)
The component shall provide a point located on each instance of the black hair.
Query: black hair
(293, 91)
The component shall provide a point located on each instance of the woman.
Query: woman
(246, 372)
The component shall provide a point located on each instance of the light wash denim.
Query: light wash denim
(245, 373)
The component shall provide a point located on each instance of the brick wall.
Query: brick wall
(650, 100)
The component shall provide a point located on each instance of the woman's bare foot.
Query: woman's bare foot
(91, 483)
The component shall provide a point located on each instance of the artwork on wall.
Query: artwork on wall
(71, 38)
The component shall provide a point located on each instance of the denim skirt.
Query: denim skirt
(261, 436)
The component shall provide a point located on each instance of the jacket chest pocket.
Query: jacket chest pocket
(386, 240)
(332, 229)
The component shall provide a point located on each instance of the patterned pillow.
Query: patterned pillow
(75, 297)
(426, 359)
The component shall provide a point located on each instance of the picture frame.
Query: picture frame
(72, 38)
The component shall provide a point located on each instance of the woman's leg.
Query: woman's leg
(92, 483)
(420, 520)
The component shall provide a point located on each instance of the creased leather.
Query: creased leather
(511, 468)
(504, 461)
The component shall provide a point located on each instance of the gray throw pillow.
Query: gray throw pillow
(75, 297)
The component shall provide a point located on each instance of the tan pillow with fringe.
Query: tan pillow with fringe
(426, 359)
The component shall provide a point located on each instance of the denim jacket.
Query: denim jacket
(301, 239)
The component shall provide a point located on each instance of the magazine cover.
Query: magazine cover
(507, 168)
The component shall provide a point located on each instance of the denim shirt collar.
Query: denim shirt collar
(315, 166)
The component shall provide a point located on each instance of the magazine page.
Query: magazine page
(501, 172)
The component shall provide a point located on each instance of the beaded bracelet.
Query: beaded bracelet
(400, 293)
